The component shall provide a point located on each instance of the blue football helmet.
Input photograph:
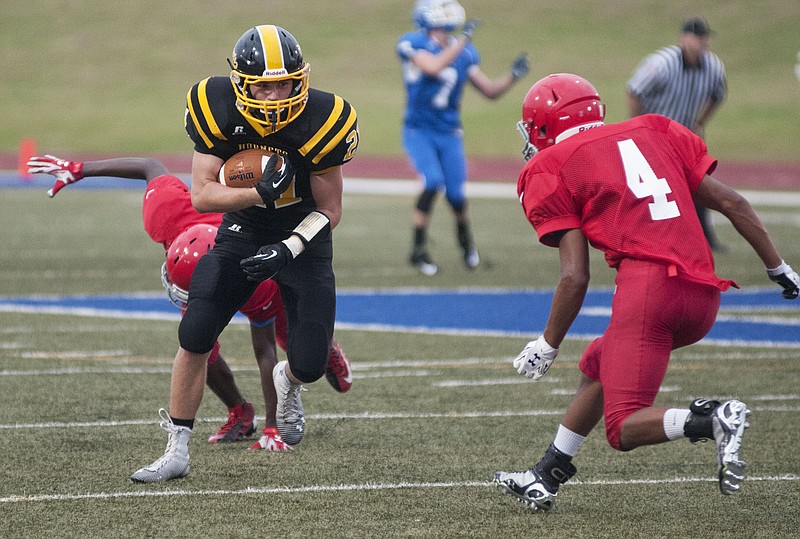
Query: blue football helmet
(444, 14)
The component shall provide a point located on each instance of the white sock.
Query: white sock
(674, 420)
(568, 442)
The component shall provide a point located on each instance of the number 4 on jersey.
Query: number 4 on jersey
(643, 182)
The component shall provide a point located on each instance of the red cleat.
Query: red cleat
(241, 423)
(338, 372)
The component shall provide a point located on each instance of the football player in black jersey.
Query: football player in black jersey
(279, 229)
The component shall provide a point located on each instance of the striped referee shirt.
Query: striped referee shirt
(666, 86)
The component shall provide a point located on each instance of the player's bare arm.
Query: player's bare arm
(208, 195)
(327, 191)
(491, 89)
(718, 196)
(432, 64)
(573, 250)
(136, 168)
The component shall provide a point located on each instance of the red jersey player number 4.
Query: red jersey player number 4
(628, 189)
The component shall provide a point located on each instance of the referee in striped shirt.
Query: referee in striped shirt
(685, 83)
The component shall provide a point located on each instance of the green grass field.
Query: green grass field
(408, 452)
(411, 449)
(98, 76)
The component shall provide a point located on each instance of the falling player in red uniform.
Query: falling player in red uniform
(170, 219)
(627, 189)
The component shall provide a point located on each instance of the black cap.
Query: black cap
(697, 26)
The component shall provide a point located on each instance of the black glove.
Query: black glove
(786, 277)
(269, 260)
(520, 66)
(469, 28)
(274, 182)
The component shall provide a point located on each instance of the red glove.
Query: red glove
(66, 172)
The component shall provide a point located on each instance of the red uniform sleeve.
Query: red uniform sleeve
(549, 207)
(167, 210)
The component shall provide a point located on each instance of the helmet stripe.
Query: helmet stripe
(271, 43)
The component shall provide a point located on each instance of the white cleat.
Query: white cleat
(289, 415)
(729, 423)
(174, 463)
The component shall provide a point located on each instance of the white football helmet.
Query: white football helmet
(445, 14)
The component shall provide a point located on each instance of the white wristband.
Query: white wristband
(783, 268)
(295, 245)
(312, 225)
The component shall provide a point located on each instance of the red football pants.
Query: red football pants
(652, 314)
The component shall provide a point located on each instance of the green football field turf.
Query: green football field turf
(409, 451)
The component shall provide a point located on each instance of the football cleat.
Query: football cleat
(289, 414)
(528, 488)
(271, 441)
(174, 463)
(699, 424)
(729, 422)
(241, 424)
(422, 261)
(471, 258)
(338, 372)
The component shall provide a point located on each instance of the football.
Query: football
(245, 168)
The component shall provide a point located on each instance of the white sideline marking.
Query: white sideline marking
(495, 382)
(362, 415)
(349, 488)
(76, 354)
(356, 416)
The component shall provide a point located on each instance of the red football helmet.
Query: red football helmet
(557, 107)
(182, 257)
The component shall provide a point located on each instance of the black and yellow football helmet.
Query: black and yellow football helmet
(269, 53)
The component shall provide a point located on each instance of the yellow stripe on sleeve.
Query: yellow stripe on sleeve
(202, 97)
(190, 108)
(351, 120)
(338, 106)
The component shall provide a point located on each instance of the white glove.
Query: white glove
(785, 276)
(535, 359)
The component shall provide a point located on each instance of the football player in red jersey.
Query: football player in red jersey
(186, 235)
(628, 189)
(279, 229)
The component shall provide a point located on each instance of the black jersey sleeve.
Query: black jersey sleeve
(210, 104)
(333, 134)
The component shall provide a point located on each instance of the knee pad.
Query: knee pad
(426, 200)
(307, 351)
(197, 331)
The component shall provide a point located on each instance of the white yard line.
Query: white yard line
(359, 416)
(249, 491)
